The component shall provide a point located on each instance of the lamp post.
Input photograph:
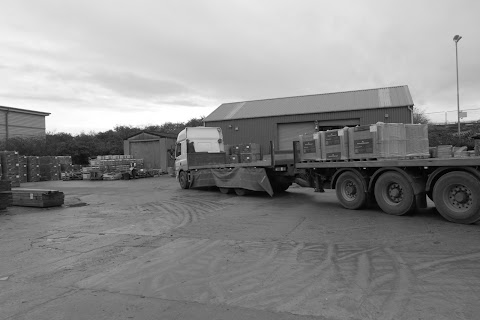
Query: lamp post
(456, 39)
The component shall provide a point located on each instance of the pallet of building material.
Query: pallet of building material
(460, 152)
(377, 141)
(310, 147)
(10, 167)
(443, 151)
(417, 145)
(5, 194)
(65, 163)
(33, 169)
(39, 198)
(250, 157)
(49, 168)
(334, 144)
(22, 161)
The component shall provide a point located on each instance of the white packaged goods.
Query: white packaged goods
(334, 144)
(378, 141)
(417, 140)
(310, 147)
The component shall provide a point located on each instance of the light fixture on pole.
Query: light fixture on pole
(456, 39)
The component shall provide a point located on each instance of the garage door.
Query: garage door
(149, 151)
(289, 132)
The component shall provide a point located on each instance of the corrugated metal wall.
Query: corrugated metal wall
(264, 130)
(21, 124)
(151, 148)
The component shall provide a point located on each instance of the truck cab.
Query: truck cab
(195, 140)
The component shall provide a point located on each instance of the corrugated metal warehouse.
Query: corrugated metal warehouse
(154, 148)
(21, 123)
(282, 120)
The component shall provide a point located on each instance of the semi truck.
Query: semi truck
(398, 186)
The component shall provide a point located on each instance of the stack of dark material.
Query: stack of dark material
(231, 154)
(10, 167)
(22, 161)
(49, 168)
(250, 152)
(5, 194)
(37, 198)
(33, 169)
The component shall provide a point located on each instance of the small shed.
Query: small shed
(153, 147)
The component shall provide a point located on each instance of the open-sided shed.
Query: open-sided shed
(154, 148)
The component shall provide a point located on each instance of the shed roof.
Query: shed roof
(158, 134)
(327, 102)
(38, 113)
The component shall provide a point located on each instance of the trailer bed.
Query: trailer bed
(427, 162)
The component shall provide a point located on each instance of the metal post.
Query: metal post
(458, 93)
(456, 39)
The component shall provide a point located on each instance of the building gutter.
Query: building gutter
(411, 113)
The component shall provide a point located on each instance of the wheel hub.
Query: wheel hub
(350, 190)
(395, 192)
(460, 197)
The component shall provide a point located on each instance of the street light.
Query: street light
(456, 39)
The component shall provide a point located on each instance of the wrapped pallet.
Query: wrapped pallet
(377, 141)
(417, 140)
(334, 144)
(22, 160)
(310, 147)
(5, 194)
(10, 167)
(49, 168)
(33, 169)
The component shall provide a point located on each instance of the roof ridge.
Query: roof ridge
(315, 94)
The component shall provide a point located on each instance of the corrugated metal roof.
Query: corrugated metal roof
(327, 102)
(38, 113)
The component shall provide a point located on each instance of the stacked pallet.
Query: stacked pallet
(49, 168)
(65, 163)
(417, 140)
(334, 144)
(33, 169)
(245, 153)
(37, 198)
(310, 147)
(10, 167)
(5, 194)
(443, 151)
(115, 163)
(22, 161)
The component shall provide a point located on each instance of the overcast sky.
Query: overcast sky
(95, 64)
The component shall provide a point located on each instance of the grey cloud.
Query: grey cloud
(130, 84)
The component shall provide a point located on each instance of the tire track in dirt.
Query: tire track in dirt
(168, 215)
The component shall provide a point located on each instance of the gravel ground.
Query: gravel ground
(146, 249)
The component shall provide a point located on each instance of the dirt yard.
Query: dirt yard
(146, 249)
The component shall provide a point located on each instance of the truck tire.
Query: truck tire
(224, 190)
(456, 197)
(350, 191)
(241, 191)
(183, 180)
(394, 194)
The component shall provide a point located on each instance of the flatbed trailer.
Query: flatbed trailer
(399, 186)
(271, 175)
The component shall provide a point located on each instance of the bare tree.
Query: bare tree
(419, 116)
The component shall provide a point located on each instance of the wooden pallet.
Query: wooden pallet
(39, 198)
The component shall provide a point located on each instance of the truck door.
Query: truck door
(181, 157)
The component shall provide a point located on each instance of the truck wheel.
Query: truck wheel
(241, 191)
(350, 191)
(183, 179)
(456, 197)
(394, 194)
(224, 190)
